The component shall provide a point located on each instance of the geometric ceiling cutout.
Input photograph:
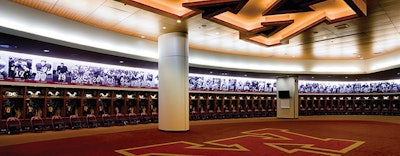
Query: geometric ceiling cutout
(291, 6)
(273, 22)
(264, 22)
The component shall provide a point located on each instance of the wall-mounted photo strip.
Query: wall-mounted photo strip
(225, 83)
(349, 86)
(32, 68)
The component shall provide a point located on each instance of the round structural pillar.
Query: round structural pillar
(173, 89)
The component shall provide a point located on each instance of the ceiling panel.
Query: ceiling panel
(360, 38)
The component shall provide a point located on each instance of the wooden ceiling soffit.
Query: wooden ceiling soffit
(173, 10)
(359, 6)
(268, 29)
(210, 9)
(280, 20)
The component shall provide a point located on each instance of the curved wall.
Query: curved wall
(31, 23)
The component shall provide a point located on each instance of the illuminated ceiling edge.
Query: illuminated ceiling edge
(20, 18)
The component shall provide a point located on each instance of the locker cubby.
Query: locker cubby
(141, 105)
(354, 104)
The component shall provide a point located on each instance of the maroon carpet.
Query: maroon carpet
(256, 138)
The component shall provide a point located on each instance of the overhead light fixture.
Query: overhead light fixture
(341, 26)
(121, 61)
(178, 21)
(46, 50)
(164, 28)
(142, 36)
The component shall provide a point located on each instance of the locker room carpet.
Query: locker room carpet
(316, 135)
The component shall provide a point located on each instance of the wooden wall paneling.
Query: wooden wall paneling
(237, 103)
(45, 104)
(321, 103)
(207, 102)
(64, 106)
(214, 102)
(24, 103)
(149, 102)
(193, 102)
(357, 105)
(395, 105)
(137, 102)
(252, 104)
(268, 103)
(315, 105)
(328, 107)
(112, 98)
(198, 104)
(325, 105)
(224, 100)
(274, 104)
(125, 105)
(335, 106)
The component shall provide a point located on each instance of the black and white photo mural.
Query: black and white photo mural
(32, 68)
(20, 67)
(343, 87)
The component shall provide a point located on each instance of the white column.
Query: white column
(173, 89)
(287, 107)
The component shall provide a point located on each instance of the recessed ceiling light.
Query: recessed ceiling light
(341, 26)
(142, 36)
(178, 21)
(46, 50)
(211, 72)
(164, 28)
(346, 77)
(245, 75)
(312, 77)
(121, 61)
